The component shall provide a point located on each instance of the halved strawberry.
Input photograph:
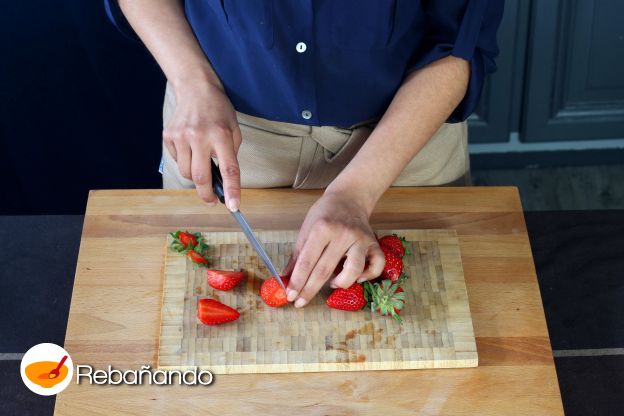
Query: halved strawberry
(386, 297)
(272, 293)
(213, 312)
(224, 279)
(350, 299)
(197, 258)
(394, 242)
(394, 264)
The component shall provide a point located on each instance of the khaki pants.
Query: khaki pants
(275, 154)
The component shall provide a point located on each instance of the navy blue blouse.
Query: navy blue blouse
(336, 62)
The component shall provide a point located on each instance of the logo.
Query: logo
(47, 369)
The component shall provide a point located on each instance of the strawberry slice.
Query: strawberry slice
(350, 299)
(272, 293)
(197, 258)
(224, 279)
(212, 312)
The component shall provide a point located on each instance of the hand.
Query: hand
(204, 125)
(335, 226)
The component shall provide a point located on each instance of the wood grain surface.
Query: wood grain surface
(114, 317)
(436, 331)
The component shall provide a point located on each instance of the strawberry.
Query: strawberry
(272, 293)
(395, 243)
(197, 258)
(386, 298)
(184, 241)
(394, 265)
(212, 312)
(350, 299)
(224, 279)
(187, 238)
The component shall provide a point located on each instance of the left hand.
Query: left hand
(335, 226)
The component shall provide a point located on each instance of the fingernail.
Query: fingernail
(291, 295)
(332, 284)
(300, 303)
(233, 204)
(361, 279)
(211, 204)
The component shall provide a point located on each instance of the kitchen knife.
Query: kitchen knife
(217, 186)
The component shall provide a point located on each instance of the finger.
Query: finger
(230, 172)
(237, 138)
(375, 263)
(183, 152)
(352, 268)
(291, 294)
(289, 266)
(168, 140)
(305, 263)
(320, 274)
(201, 173)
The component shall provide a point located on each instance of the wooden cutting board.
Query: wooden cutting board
(437, 327)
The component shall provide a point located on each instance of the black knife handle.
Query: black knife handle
(217, 182)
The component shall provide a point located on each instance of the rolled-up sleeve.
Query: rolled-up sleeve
(465, 29)
(115, 15)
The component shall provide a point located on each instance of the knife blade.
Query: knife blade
(217, 186)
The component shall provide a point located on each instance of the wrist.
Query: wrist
(360, 194)
(196, 78)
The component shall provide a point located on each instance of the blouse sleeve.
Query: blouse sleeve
(116, 16)
(465, 29)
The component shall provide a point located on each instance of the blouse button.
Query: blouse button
(301, 47)
(306, 114)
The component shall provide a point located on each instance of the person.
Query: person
(352, 96)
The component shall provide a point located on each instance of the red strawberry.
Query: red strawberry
(187, 238)
(272, 293)
(394, 242)
(197, 258)
(212, 312)
(386, 298)
(394, 265)
(350, 299)
(224, 279)
(184, 241)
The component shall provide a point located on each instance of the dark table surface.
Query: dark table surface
(579, 258)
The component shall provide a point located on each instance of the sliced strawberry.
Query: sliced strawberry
(224, 279)
(272, 293)
(350, 299)
(394, 265)
(197, 258)
(212, 312)
(395, 243)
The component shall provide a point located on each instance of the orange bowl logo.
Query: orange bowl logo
(47, 369)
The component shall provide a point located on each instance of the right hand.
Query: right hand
(202, 126)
